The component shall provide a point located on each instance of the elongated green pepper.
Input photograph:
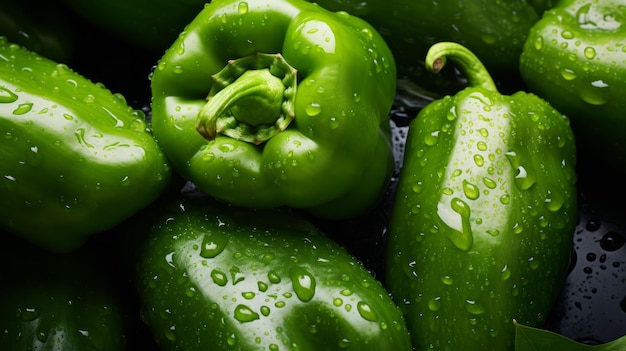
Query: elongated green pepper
(574, 58)
(296, 113)
(214, 277)
(484, 214)
(75, 159)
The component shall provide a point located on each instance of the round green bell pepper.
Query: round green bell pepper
(315, 134)
(484, 213)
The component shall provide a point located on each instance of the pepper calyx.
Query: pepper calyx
(251, 99)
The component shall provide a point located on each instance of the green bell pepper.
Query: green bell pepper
(217, 277)
(52, 301)
(75, 159)
(296, 113)
(495, 31)
(575, 59)
(484, 213)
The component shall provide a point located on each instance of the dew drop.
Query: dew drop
(245, 314)
(505, 273)
(568, 74)
(479, 160)
(7, 96)
(611, 241)
(212, 245)
(458, 220)
(303, 283)
(333, 123)
(366, 311)
(538, 43)
(447, 280)
(470, 190)
(597, 93)
(313, 109)
(434, 304)
(590, 52)
(431, 139)
(219, 277)
(265, 310)
(273, 277)
(28, 314)
(23, 108)
(474, 308)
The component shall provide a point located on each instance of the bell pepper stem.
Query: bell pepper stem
(251, 100)
(469, 64)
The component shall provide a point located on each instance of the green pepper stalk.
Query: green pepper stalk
(484, 213)
(217, 277)
(278, 103)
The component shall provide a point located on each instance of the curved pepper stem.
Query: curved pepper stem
(471, 66)
(251, 99)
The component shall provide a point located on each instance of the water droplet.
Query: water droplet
(337, 301)
(590, 52)
(344, 343)
(265, 310)
(470, 190)
(28, 314)
(554, 203)
(538, 43)
(474, 308)
(481, 145)
(568, 74)
(505, 273)
(248, 295)
(479, 160)
(245, 314)
(567, 34)
(597, 93)
(333, 123)
(458, 220)
(212, 245)
(262, 286)
(366, 311)
(23, 108)
(434, 304)
(303, 283)
(431, 138)
(489, 183)
(447, 280)
(313, 109)
(7, 96)
(611, 241)
(219, 277)
(273, 277)
(80, 136)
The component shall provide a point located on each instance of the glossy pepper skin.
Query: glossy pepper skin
(214, 277)
(494, 31)
(574, 59)
(320, 141)
(75, 159)
(51, 301)
(484, 213)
